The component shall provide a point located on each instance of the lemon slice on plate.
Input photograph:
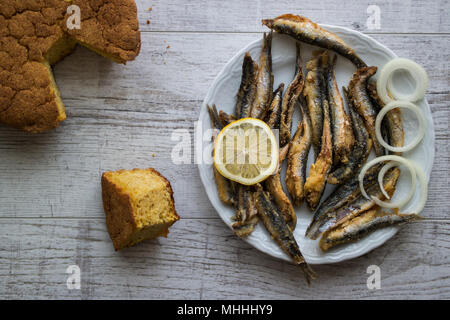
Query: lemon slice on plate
(246, 151)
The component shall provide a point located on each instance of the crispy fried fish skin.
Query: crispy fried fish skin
(274, 113)
(246, 214)
(298, 157)
(279, 230)
(244, 229)
(359, 153)
(224, 186)
(303, 29)
(314, 94)
(358, 95)
(214, 117)
(291, 97)
(247, 89)
(274, 187)
(264, 80)
(318, 173)
(226, 118)
(392, 122)
(361, 204)
(343, 138)
(340, 197)
(361, 226)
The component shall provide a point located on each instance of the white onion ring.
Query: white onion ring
(381, 174)
(406, 105)
(424, 187)
(384, 82)
(408, 163)
(406, 199)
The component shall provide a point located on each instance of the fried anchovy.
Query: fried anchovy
(360, 151)
(246, 214)
(318, 173)
(298, 157)
(280, 232)
(340, 197)
(392, 122)
(358, 95)
(214, 117)
(291, 97)
(303, 29)
(314, 93)
(361, 204)
(274, 113)
(264, 80)
(224, 186)
(247, 89)
(343, 138)
(362, 225)
(273, 183)
(226, 118)
(274, 187)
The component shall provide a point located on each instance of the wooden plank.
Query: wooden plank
(60, 175)
(210, 263)
(413, 16)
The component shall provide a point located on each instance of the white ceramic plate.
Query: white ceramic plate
(223, 92)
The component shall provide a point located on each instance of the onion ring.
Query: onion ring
(400, 104)
(381, 174)
(412, 170)
(405, 200)
(424, 186)
(384, 82)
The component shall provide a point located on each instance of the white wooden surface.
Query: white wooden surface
(51, 214)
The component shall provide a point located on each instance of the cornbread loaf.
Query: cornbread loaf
(138, 204)
(34, 35)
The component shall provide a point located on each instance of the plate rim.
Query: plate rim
(389, 232)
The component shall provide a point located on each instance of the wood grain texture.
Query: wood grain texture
(397, 16)
(210, 263)
(123, 117)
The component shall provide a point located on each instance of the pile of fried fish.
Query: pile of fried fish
(341, 139)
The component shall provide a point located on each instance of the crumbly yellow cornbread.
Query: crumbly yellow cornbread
(34, 35)
(138, 204)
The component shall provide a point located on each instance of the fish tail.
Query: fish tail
(308, 272)
(299, 61)
(267, 41)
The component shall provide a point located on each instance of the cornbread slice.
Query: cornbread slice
(34, 36)
(138, 204)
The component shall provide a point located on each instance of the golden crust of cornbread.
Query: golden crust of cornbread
(125, 194)
(34, 35)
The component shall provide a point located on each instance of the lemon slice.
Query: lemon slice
(246, 151)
